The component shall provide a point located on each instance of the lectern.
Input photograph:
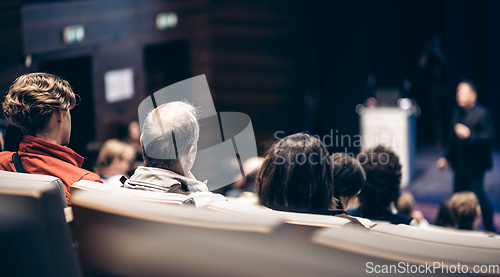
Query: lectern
(394, 128)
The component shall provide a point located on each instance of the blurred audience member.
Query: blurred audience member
(131, 133)
(405, 205)
(444, 217)
(296, 177)
(383, 177)
(169, 144)
(40, 104)
(348, 179)
(464, 210)
(247, 183)
(1, 141)
(114, 161)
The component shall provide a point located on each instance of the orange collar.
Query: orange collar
(34, 145)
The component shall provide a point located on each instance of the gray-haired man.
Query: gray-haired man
(169, 144)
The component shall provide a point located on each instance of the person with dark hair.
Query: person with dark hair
(349, 177)
(381, 191)
(169, 143)
(444, 217)
(468, 149)
(40, 104)
(464, 210)
(296, 176)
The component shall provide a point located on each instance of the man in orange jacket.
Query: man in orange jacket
(39, 103)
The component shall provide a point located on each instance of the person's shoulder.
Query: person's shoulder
(400, 219)
(5, 154)
(5, 158)
(90, 176)
(354, 212)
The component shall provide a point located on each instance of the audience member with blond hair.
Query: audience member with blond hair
(40, 104)
(406, 205)
(464, 210)
(114, 161)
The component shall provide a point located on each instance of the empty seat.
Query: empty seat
(402, 249)
(289, 217)
(441, 235)
(35, 239)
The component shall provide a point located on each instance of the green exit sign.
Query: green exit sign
(73, 34)
(166, 21)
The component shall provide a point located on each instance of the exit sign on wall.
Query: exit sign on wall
(166, 21)
(73, 34)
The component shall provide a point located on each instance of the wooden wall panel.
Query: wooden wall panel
(104, 22)
(10, 30)
(252, 59)
(244, 48)
(116, 35)
(108, 115)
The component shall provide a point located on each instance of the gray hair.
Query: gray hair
(168, 133)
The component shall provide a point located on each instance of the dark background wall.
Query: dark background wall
(291, 65)
(352, 39)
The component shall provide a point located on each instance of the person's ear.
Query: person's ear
(57, 114)
(192, 154)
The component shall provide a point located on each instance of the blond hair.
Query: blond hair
(111, 149)
(33, 97)
(463, 210)
(405, 203)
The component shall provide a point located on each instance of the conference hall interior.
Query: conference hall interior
(249, 137)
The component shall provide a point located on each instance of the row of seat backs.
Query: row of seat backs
(216, 202)
(119, 237)
(441, 235)
(133, 238)
(35, 239)
(111, 225)
(433, 234)
(418, 239)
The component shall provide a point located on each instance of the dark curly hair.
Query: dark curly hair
(383, 178)
(295, 178)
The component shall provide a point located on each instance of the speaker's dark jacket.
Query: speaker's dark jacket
(471, 156)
